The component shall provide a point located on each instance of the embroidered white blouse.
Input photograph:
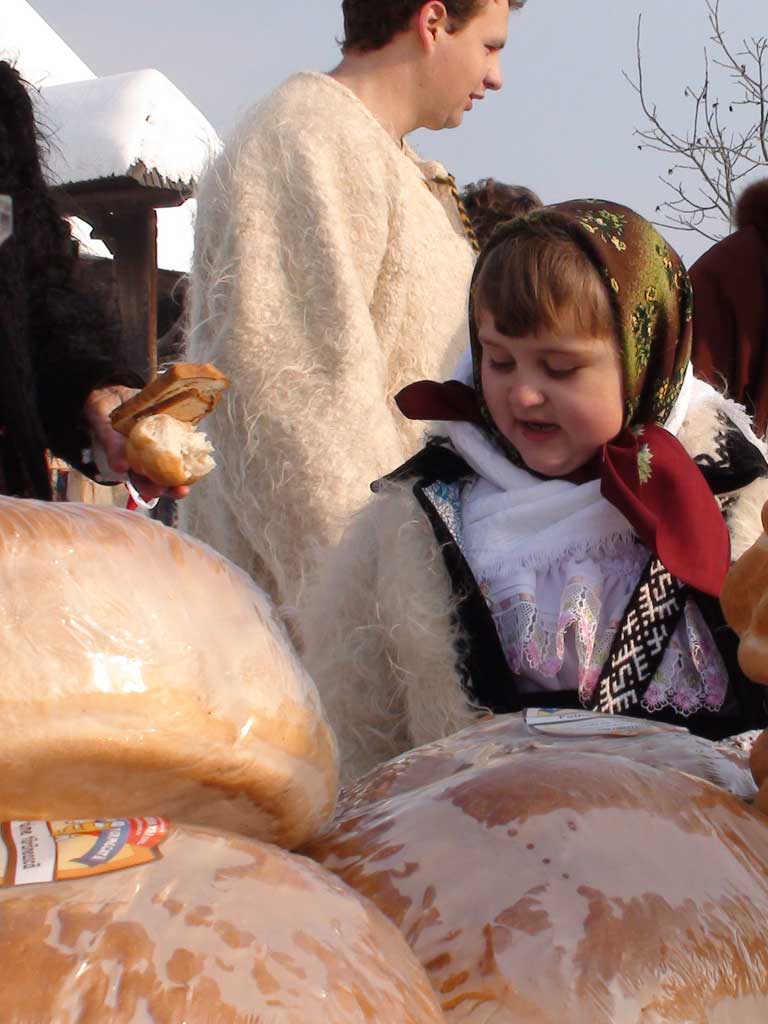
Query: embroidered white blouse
(557, 622)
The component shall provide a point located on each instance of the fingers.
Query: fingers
(149, 490)
(114, 448)
(98, 406)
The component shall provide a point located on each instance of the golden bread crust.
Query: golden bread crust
(187, 391)
(147, 673)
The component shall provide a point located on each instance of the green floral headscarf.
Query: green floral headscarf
(644, 471)
(650, 293)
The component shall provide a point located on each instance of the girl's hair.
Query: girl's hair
(538, 280)
(371, 24)
(489, 203)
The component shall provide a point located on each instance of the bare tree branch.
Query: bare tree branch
(726, 139)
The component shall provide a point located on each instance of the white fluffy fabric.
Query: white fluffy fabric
(331, 269)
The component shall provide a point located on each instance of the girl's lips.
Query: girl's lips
(538, 432)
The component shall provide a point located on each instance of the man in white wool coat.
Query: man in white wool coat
(331, 269)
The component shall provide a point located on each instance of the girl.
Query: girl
(564, 535)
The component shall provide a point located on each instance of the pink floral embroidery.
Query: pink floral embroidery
(691, 677)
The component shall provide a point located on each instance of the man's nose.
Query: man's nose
(494, 78)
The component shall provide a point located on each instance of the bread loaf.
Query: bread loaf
(544, 885)
(496, 738)
(219, 930)
(744, 600)
(144, 672)
(169, 451)
(758, 759)
(186, 391)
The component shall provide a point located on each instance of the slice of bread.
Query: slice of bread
(186, 391)
(169, 451)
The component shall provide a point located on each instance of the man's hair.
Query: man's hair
(371, 24)
(489, 202)
(540, 281)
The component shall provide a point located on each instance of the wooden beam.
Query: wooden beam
(114, 195)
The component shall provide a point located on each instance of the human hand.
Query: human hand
(98, 406)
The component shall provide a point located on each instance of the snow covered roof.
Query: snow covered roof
(153, 151)
(28, 42)
(136, 125)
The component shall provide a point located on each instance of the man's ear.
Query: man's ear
(429, 21)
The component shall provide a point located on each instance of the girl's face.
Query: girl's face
(557, 399)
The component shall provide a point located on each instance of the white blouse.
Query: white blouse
(557, 622)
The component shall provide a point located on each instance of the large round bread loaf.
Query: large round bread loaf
(758, 759)
(495, 738)
(143, 672)
(549, 885)
(220, 930)
(744, 600)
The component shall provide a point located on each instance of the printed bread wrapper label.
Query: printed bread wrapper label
(54, 851)
(567, 722)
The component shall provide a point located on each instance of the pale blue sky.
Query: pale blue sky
(562, 125)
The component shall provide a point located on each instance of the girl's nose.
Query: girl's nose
(526, 396)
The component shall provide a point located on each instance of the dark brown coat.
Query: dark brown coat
(730, 326)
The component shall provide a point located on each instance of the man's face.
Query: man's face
(467, 63)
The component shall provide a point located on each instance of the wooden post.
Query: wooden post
(132, 238)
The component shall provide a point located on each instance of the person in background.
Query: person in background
(60, 375)
(331, 265)
(561, 540)
(730, 302)
(489, 202)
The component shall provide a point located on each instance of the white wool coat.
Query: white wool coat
(381, 636)
(331, 269)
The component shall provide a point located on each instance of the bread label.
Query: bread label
(567, 722)
(54, 851)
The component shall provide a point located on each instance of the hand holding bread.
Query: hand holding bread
(159, 424)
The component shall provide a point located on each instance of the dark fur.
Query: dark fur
(55, 343)
(752, 208)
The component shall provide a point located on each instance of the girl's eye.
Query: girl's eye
(501, 366)
(558, 373)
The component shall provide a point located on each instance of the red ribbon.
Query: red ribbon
(673, 512)
(430, 400)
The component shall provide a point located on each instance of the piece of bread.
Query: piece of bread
(744, 601)
(144, 672)
(219, 930)
(186, 391)
(169, 451)
(758, 759)
(548, 884)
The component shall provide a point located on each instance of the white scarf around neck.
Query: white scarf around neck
(514, 520)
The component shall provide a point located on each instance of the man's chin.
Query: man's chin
(454, 121)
